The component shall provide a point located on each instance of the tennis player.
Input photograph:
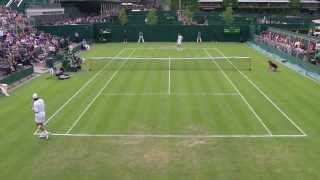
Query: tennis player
(125, 36)
(39, 113)
(199, 39)
(179, 42)
(141, 38)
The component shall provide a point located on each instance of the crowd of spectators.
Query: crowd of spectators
(82, 20)
(21, 45)
(12, 19)
(306, 50)
(102, 18)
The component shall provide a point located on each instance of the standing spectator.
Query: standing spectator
(76, 37)
(1, 34)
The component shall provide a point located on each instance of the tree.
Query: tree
(227, 3)
(165, 4)
(295, 6)
(228, 15)
(188, 13)
(123, 18)
(194, 6)
(152, 18)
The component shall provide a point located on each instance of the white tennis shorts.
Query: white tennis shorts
(40, 117)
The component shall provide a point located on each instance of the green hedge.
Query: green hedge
(12, 78)
(152, 33)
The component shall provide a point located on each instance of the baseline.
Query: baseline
(169, 48)
(107, 58)
(185, 136)
(171, 94)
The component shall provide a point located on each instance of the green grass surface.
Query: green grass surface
(192, 122)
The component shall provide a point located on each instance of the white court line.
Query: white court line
(171, 93)
(262, 93)
(79, 90)
(182, 136)
(167, 48)
(242, 97)
(169, 71)
(107, 58)
(96, 97)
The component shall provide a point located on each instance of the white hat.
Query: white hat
(34, 96)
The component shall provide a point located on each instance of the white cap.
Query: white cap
(34, 96)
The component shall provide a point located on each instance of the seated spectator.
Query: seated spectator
(84, 45)
(60, 71)
(61, 74)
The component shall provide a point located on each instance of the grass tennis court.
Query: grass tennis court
(148, 111)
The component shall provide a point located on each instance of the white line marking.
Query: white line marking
(96, 97)
(262, 93)
(107, 58)
(169, 71)
(76, 93)
(242, 97)
(205, 94)
(167, 47)
(172, 94)
(183, 136)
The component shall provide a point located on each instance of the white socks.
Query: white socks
(44, 134)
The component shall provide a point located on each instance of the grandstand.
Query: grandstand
(213, 91)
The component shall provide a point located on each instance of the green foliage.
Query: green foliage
(193, 4)
(189, 13)
(228, 15)
(152, 18)
(227, 3)
(165, 4)
(123, 18)
(295, 6)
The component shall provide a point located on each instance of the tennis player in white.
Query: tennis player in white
(199, 38)
(179, 42)
(141, 38)
(39, 112)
